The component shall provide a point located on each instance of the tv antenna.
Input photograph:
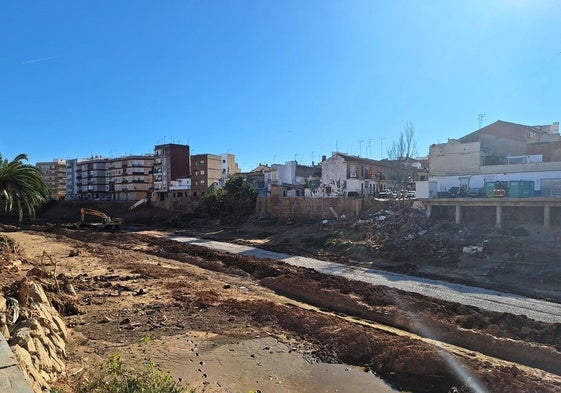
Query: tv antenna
(480, 118)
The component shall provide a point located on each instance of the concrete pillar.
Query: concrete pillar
(499, 218)
(458, 213)
(547, 217)
(429, 210)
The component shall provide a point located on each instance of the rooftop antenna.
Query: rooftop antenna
(480, 118)
(360, 147)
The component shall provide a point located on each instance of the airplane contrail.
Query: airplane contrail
(39, 59)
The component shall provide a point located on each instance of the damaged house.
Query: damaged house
(347, 175)
(292, 179)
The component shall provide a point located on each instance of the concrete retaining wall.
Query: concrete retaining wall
(12, 379)
(304, 207)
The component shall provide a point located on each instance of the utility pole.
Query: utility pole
(370, 148)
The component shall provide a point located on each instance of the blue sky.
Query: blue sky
(269, 81)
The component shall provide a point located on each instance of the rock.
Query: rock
(4, 326)
(37, 293)
(22, 337)
(3, 305)
(39, 340)
(23, 292)
(69, 288)
(44, 360)
(32, 374)
(61, 326)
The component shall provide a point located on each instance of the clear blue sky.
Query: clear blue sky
(269, 81)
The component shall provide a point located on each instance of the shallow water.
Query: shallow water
(259, 364)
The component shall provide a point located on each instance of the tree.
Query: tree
(21, 186)
(231, 204)
(400, 154)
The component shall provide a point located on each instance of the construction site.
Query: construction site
(235, 322)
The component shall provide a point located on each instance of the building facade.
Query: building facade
(206, 170)
(129, 178)
(343, 175)
(171, 162)
(54, 176)
(501, 151)
(91, 179)
(229, 166)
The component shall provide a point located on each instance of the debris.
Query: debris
(245, 289)
(141, 292)
(131, 326)
(472, 249)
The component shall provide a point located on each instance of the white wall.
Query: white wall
(445, 182)
(422, 189)
(334, 175)
(454, 158)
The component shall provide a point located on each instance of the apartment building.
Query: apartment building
(129, 178)
(72, 178)
(126, 178)
(54, 176)
(229, 166)
(171, 163)
(91, 180)
(206, 170)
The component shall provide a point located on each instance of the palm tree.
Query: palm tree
(21, 186)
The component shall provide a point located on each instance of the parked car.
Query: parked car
(411, 194)
(455, 192)
(476, 192)
(386, 194)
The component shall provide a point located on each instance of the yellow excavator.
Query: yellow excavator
(106, 221)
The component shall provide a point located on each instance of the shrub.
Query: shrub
(113, 376)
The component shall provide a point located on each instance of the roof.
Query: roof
(504, 129)
(349, 157)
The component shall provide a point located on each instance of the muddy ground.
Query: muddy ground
(130, 284)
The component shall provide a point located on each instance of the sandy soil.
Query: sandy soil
(227, 308)
(258, 324)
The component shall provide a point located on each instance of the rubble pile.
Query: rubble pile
(394, 224)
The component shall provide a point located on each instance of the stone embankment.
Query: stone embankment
(33, 329)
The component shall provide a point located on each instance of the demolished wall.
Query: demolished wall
(304, 208)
